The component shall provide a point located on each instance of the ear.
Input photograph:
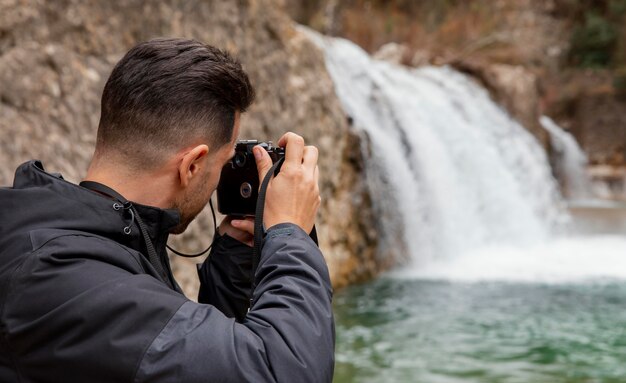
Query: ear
(192, 163)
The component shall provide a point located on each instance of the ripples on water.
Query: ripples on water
(427, 331)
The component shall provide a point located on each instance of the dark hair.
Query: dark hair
(166, 93)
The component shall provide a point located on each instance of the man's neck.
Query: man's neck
(150, 189)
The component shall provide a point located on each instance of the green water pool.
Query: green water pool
(393, 330)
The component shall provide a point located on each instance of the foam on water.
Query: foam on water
(563, 260)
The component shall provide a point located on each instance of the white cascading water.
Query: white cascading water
(472, 188)
(571, 161)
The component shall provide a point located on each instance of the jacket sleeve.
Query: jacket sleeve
(225, 277)
(287, 336)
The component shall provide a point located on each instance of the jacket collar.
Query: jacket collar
(106, 220)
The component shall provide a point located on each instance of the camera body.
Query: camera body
(238, 189)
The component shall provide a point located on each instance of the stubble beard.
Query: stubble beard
(189, 206)
(185, 220)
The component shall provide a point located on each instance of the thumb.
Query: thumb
(263, 161)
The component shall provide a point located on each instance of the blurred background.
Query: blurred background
(472, 157)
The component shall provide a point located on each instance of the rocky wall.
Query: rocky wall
(55, 57)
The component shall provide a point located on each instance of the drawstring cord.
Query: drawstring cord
(123, 204)
(127, 206)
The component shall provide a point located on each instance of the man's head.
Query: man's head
(173, 105)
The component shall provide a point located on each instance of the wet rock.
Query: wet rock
(392, 52)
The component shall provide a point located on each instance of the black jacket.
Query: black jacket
(79, 301)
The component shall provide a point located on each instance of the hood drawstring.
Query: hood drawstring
(127, 206)
(123, 204)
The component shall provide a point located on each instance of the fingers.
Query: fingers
(296, 153)
(310, 158)
(246, 225)
(294, 148)
(316, 175)
(293, 196)
(240, 229)
(282, 142)
(263, 161)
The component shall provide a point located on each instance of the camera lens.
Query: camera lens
(240, 159)
(245, 190)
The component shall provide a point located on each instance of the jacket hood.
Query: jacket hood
(41, 200)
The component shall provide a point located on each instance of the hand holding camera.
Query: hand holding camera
(241, 229)
(292, 195)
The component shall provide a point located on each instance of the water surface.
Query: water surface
(395, 330)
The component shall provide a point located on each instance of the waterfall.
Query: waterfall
(570, 161)
(463, 173)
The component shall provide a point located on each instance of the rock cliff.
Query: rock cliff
(55, 57)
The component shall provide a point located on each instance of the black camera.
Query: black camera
(238, 189)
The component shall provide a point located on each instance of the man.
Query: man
(86, 291)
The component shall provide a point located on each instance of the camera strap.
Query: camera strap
(205, 250)
(259, 229)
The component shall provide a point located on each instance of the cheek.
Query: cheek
(212, 180)
(216, 178)
(216, 174)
